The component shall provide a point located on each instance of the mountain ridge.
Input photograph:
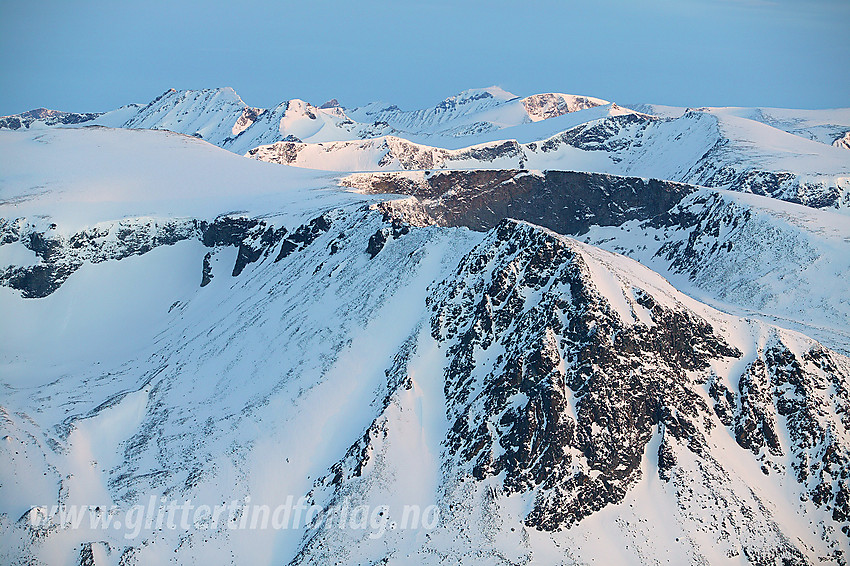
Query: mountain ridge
(778, 152)
(570, 367)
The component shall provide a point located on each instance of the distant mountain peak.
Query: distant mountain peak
(494, 92)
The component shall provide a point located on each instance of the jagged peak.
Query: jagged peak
(552, 104)
(596, 101)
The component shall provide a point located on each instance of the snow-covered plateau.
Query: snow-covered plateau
(561, 330)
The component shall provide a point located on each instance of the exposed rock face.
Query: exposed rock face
(285, 152)
(552, 105)
(630, 139)
(570, 343)
(59, 257)
(601, 135)
(783, 185)
(564, 201)
(248, 117)
(303, 236)
(45, 116)
(376, 243)
(206, 272)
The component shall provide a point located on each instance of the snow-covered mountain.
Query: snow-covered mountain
(766, 151)
(222, 118)
(824, 126)
(698, 148)
(185, 324)
(473, 112)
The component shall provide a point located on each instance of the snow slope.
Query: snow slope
(754, 256)
(96, 174)
(213, 115)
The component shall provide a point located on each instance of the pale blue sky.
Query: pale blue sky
(89, 56)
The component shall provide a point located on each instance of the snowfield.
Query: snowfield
(98, 174)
